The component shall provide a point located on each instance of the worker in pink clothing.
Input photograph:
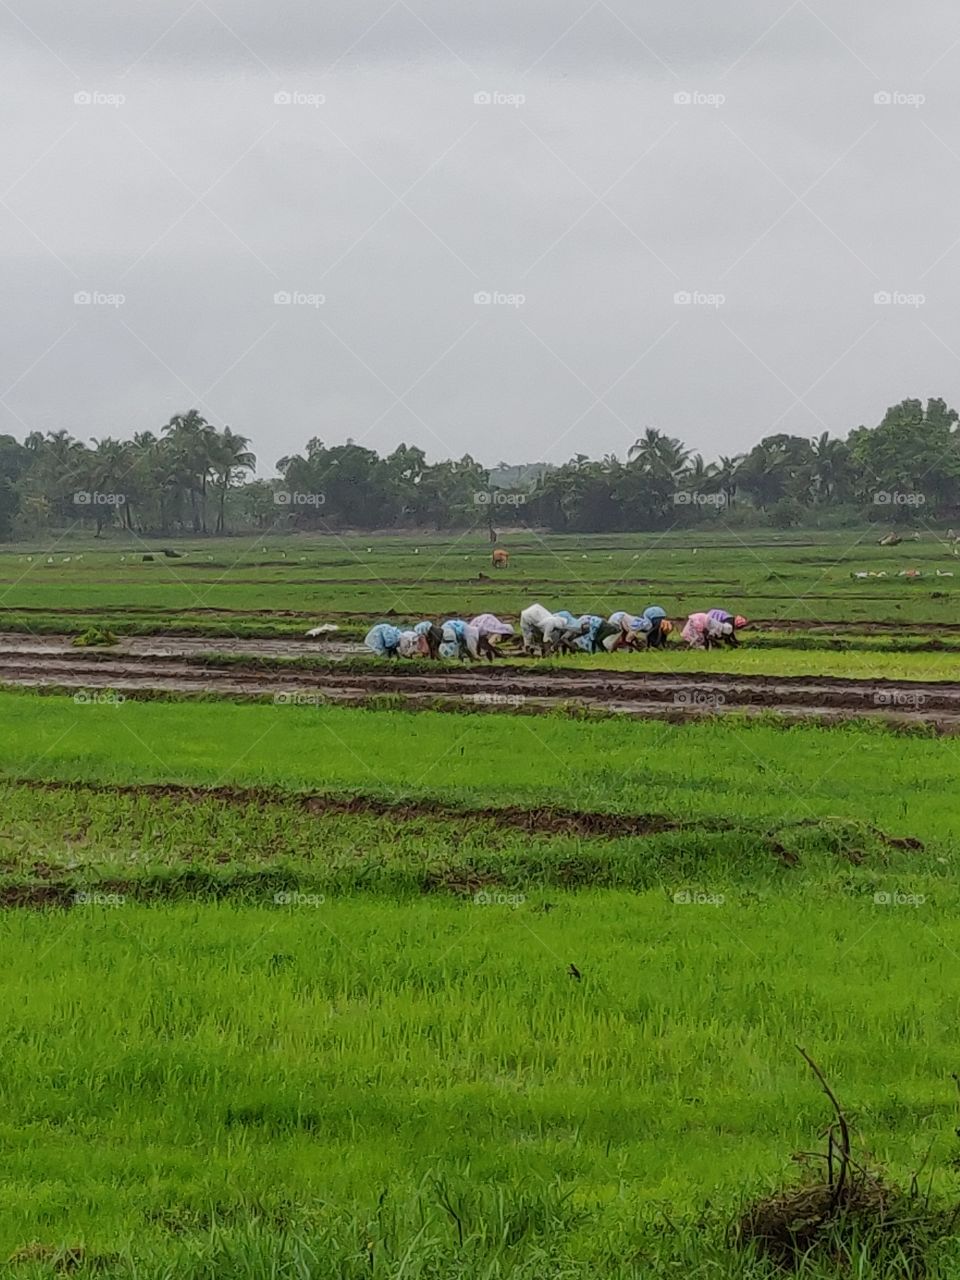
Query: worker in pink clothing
(703, 632)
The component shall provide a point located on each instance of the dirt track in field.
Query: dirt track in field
(147, 613)
(173, 666)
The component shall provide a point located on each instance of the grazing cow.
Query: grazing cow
(500, 559)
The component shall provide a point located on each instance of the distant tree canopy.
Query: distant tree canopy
(192, 478)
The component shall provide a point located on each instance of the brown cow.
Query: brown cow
(500, 559)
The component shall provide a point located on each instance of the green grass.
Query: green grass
(762, 576)
(256, 1040)
(290, 1068)
(63, 839)
(754, 658)
(722, 767)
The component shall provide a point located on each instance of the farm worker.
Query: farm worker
(629, 623)
(584, 640)
(574, 629)
(488, 624)
(541, 628)
(631, 627)
(383, 640)
(432, 634)
(702, 632)
(610, 636)
(413, 645)
(723, 617)
(533, 621)
(660, 626)
(491, 630)
(460, 640)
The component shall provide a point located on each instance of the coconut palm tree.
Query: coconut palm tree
(662, 454)
(831, 468)
(194, 444)
(231, 458)
(108, 464)
(726, 477)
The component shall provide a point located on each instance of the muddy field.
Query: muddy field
(174, 666)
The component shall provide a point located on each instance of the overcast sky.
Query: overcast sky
(382, 164)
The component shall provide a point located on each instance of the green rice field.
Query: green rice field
(298, 991)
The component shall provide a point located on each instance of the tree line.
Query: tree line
(191, 477)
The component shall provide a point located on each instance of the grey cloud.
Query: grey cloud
(398, 198)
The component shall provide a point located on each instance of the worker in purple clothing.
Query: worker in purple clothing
(726, 619)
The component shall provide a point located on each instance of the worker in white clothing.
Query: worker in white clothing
(542, 630)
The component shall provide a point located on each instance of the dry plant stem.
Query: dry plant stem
(844, 1145)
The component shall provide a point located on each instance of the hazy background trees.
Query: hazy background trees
(190, 477)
